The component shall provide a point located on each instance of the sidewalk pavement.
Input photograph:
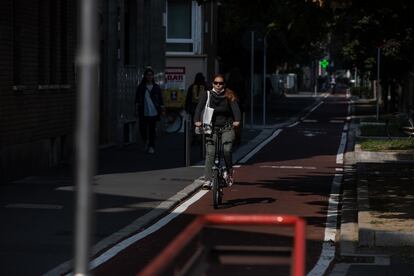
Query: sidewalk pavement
(377, 221)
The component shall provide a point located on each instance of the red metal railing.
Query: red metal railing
(167, 256)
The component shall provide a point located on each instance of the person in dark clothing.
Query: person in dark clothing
(194, 92)
(149, 106)
(226, 115)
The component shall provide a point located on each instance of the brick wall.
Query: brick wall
(37, 92)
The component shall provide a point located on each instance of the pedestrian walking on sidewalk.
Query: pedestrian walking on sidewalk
(149, 106)
(226, 116)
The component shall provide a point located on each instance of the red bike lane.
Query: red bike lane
(292, 175)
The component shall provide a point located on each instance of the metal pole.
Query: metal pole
(315, 75)
(251, 79)
(203, 146)
(187, 138)
(355, 77)
(378, 79)
(264, 80)
(87, 61)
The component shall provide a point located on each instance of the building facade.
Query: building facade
(37, 84)
(38, 70)
(132, 38)
(191, 37)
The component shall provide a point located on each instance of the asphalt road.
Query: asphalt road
(292, 174)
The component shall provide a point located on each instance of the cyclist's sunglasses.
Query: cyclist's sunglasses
(219, 82)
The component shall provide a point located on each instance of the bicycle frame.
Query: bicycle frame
(218, 170)
(218, 154)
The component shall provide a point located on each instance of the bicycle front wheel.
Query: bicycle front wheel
(217, 196)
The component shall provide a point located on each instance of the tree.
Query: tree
(295, 31)
(364, 26)
(367, 25)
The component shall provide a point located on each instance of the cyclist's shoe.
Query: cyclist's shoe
(229, 181)
(207, 185)
(228, 178)
(151, 150)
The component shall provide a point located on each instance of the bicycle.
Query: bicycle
(400, 124)
(218, 180)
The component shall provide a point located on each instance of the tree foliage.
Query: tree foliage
(295, 30)
(365, 26)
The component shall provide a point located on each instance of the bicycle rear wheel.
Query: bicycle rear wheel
(217, 193)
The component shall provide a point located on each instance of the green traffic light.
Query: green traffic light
(324, 63)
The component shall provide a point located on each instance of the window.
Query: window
(183, 27)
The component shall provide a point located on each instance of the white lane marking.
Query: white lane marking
(33, 206)
(328, 246)
(198, 166)
(310, 111)
(310, 121)
(313, 109)
(336, 121)
(114, 250)
(312, 133)
(341, 150)
(289, 167)
(293, 125)
(260, 146)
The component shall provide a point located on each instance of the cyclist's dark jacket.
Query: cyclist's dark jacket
(225, 112)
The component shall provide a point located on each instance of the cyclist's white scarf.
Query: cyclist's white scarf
(218, 93)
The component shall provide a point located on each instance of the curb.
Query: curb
(382, 156)
(348, 235)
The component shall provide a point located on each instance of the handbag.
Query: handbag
(207, 116)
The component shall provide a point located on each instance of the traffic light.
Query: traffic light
(324, 63)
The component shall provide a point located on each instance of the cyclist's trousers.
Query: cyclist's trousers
(227, 139)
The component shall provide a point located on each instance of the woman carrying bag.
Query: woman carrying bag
(226, 116)
(149, 106)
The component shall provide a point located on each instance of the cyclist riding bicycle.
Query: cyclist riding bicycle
(226, 116)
